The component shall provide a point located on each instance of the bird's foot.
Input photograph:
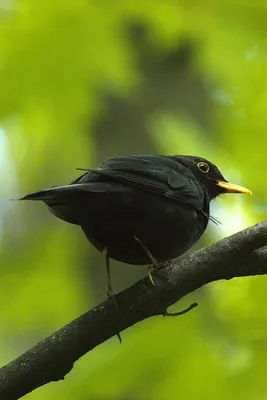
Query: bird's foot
(110, 295)
(154, 261)
(167, 314)
(150, 269)
(119, 337)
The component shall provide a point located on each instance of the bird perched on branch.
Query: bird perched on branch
(141, 209)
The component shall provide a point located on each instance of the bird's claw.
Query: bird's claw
(150, 269)
(110, 295)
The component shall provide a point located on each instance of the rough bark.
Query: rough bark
(243, 254)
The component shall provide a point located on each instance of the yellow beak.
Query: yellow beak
(232, 188)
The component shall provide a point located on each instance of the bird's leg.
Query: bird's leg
(110, 292)
(155, 263)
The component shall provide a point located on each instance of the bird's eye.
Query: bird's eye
(203, 167)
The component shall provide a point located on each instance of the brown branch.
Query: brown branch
(242, 254)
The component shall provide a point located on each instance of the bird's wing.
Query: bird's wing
(158, 174)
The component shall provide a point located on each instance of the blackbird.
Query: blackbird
(141, 209)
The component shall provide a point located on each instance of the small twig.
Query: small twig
(176, 314)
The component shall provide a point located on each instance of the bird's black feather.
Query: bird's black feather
(161, 200)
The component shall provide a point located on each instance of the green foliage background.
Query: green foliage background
(85, 80)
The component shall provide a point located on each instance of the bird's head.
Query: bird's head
(210, 176)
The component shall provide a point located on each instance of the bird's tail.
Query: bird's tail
(46, 194)
(42, 195)
(55, 198)
(56, 192)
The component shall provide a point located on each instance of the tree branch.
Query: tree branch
(243, 254)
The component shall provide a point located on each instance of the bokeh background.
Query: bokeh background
(84, 80)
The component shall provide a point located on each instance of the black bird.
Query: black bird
(141, 209)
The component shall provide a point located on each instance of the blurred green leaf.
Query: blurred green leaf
(66, 69)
